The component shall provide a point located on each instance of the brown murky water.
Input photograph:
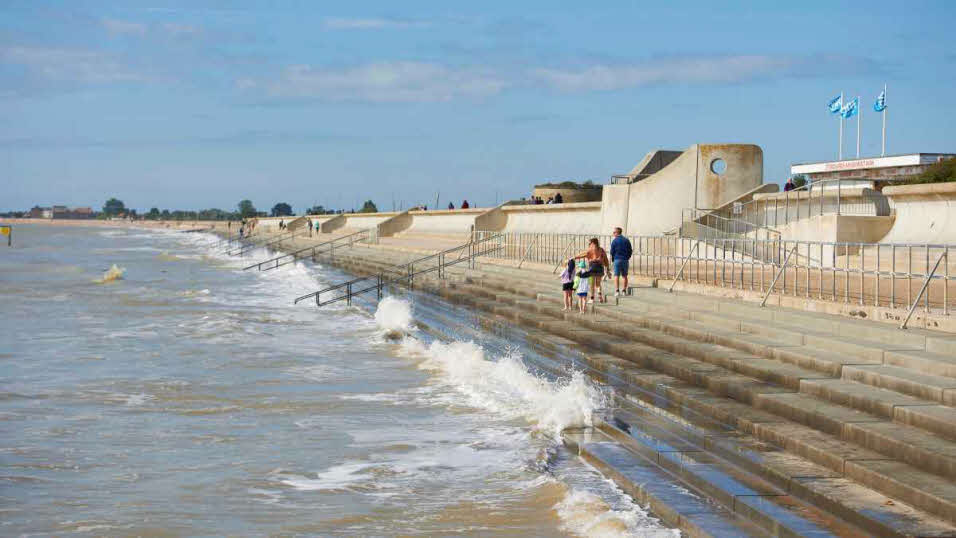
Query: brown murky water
(188, 397)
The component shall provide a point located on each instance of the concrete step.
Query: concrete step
(735, 489)
(650, 486)
(726, 382)
(820, 485)
(924, 362)
(930, 387)
(808, 358)
(828, 450)
(813, 336)
(898, 441)
(851, 329)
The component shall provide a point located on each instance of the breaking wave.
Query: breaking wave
(112, 274)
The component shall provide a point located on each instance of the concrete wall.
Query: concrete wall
(492, 219)
(925, 213)
(334, 222)
(654, 205)
(361, 221)
(440, 222)
(397, 223)
(582, 218)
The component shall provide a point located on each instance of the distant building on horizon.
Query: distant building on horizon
(884, 170)
(61, 212)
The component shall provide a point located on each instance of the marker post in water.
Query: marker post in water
(7, 231)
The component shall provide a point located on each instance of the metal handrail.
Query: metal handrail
(923, 289)
(777, 276)
(695, 218)
(274, 263)
(563, 252)
(265, 242)
(382, 278)
(821, 186)
(682, 266)
(528, 251)
(228, 240)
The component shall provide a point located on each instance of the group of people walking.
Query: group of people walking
(451, 205)
(585, 271)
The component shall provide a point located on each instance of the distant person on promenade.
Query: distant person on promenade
(558, 199)
(228, 224)
(621, 252)
(451, 205)
(550, 200)
(281, 225)
(581, 284)
(597, 266)
(464, 204)
(241, 231)
(310, 227)
(789, 186)
(567, 285)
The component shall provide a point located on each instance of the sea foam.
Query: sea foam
(111, 274)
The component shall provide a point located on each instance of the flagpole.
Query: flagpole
(859, 121)
(840, 153)
(883, 150)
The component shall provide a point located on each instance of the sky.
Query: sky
(193, 104)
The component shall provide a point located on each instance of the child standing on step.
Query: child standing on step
(582, 285)
(567, 285)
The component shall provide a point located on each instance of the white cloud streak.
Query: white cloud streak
(181, 30)
(118, 27)
(343, 23)
(385, 82)
(87, 67)
(683, 70)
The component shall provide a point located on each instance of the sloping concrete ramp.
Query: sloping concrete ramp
(925, 213)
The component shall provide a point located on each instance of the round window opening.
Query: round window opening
(718, 166)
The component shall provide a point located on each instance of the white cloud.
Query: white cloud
(88, 67)
(386, 82)
(343, 23)
(118, 27)
(181, 30)
(682, 70)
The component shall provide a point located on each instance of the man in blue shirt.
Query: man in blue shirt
(620, 257)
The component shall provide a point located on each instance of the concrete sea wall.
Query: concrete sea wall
(925, 213)
(693, 180)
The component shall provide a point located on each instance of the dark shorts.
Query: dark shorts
(620, 267)
(567, 286)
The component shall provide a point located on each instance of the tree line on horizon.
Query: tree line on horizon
(245, 209)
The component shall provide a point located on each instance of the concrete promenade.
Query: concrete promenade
(787, 422)
(775, 421)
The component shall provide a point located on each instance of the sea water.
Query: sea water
(150, 387)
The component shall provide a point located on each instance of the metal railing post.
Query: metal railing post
(929, 277)
(528, 251)
(684, 264)
(774, 281)
(839, 201)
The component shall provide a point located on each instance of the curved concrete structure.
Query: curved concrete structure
(444, 222)
(925, 213)
(583, 218)
(654, 205)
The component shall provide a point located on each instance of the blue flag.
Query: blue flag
(880, 104)
(835, 104)
(850, 109)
